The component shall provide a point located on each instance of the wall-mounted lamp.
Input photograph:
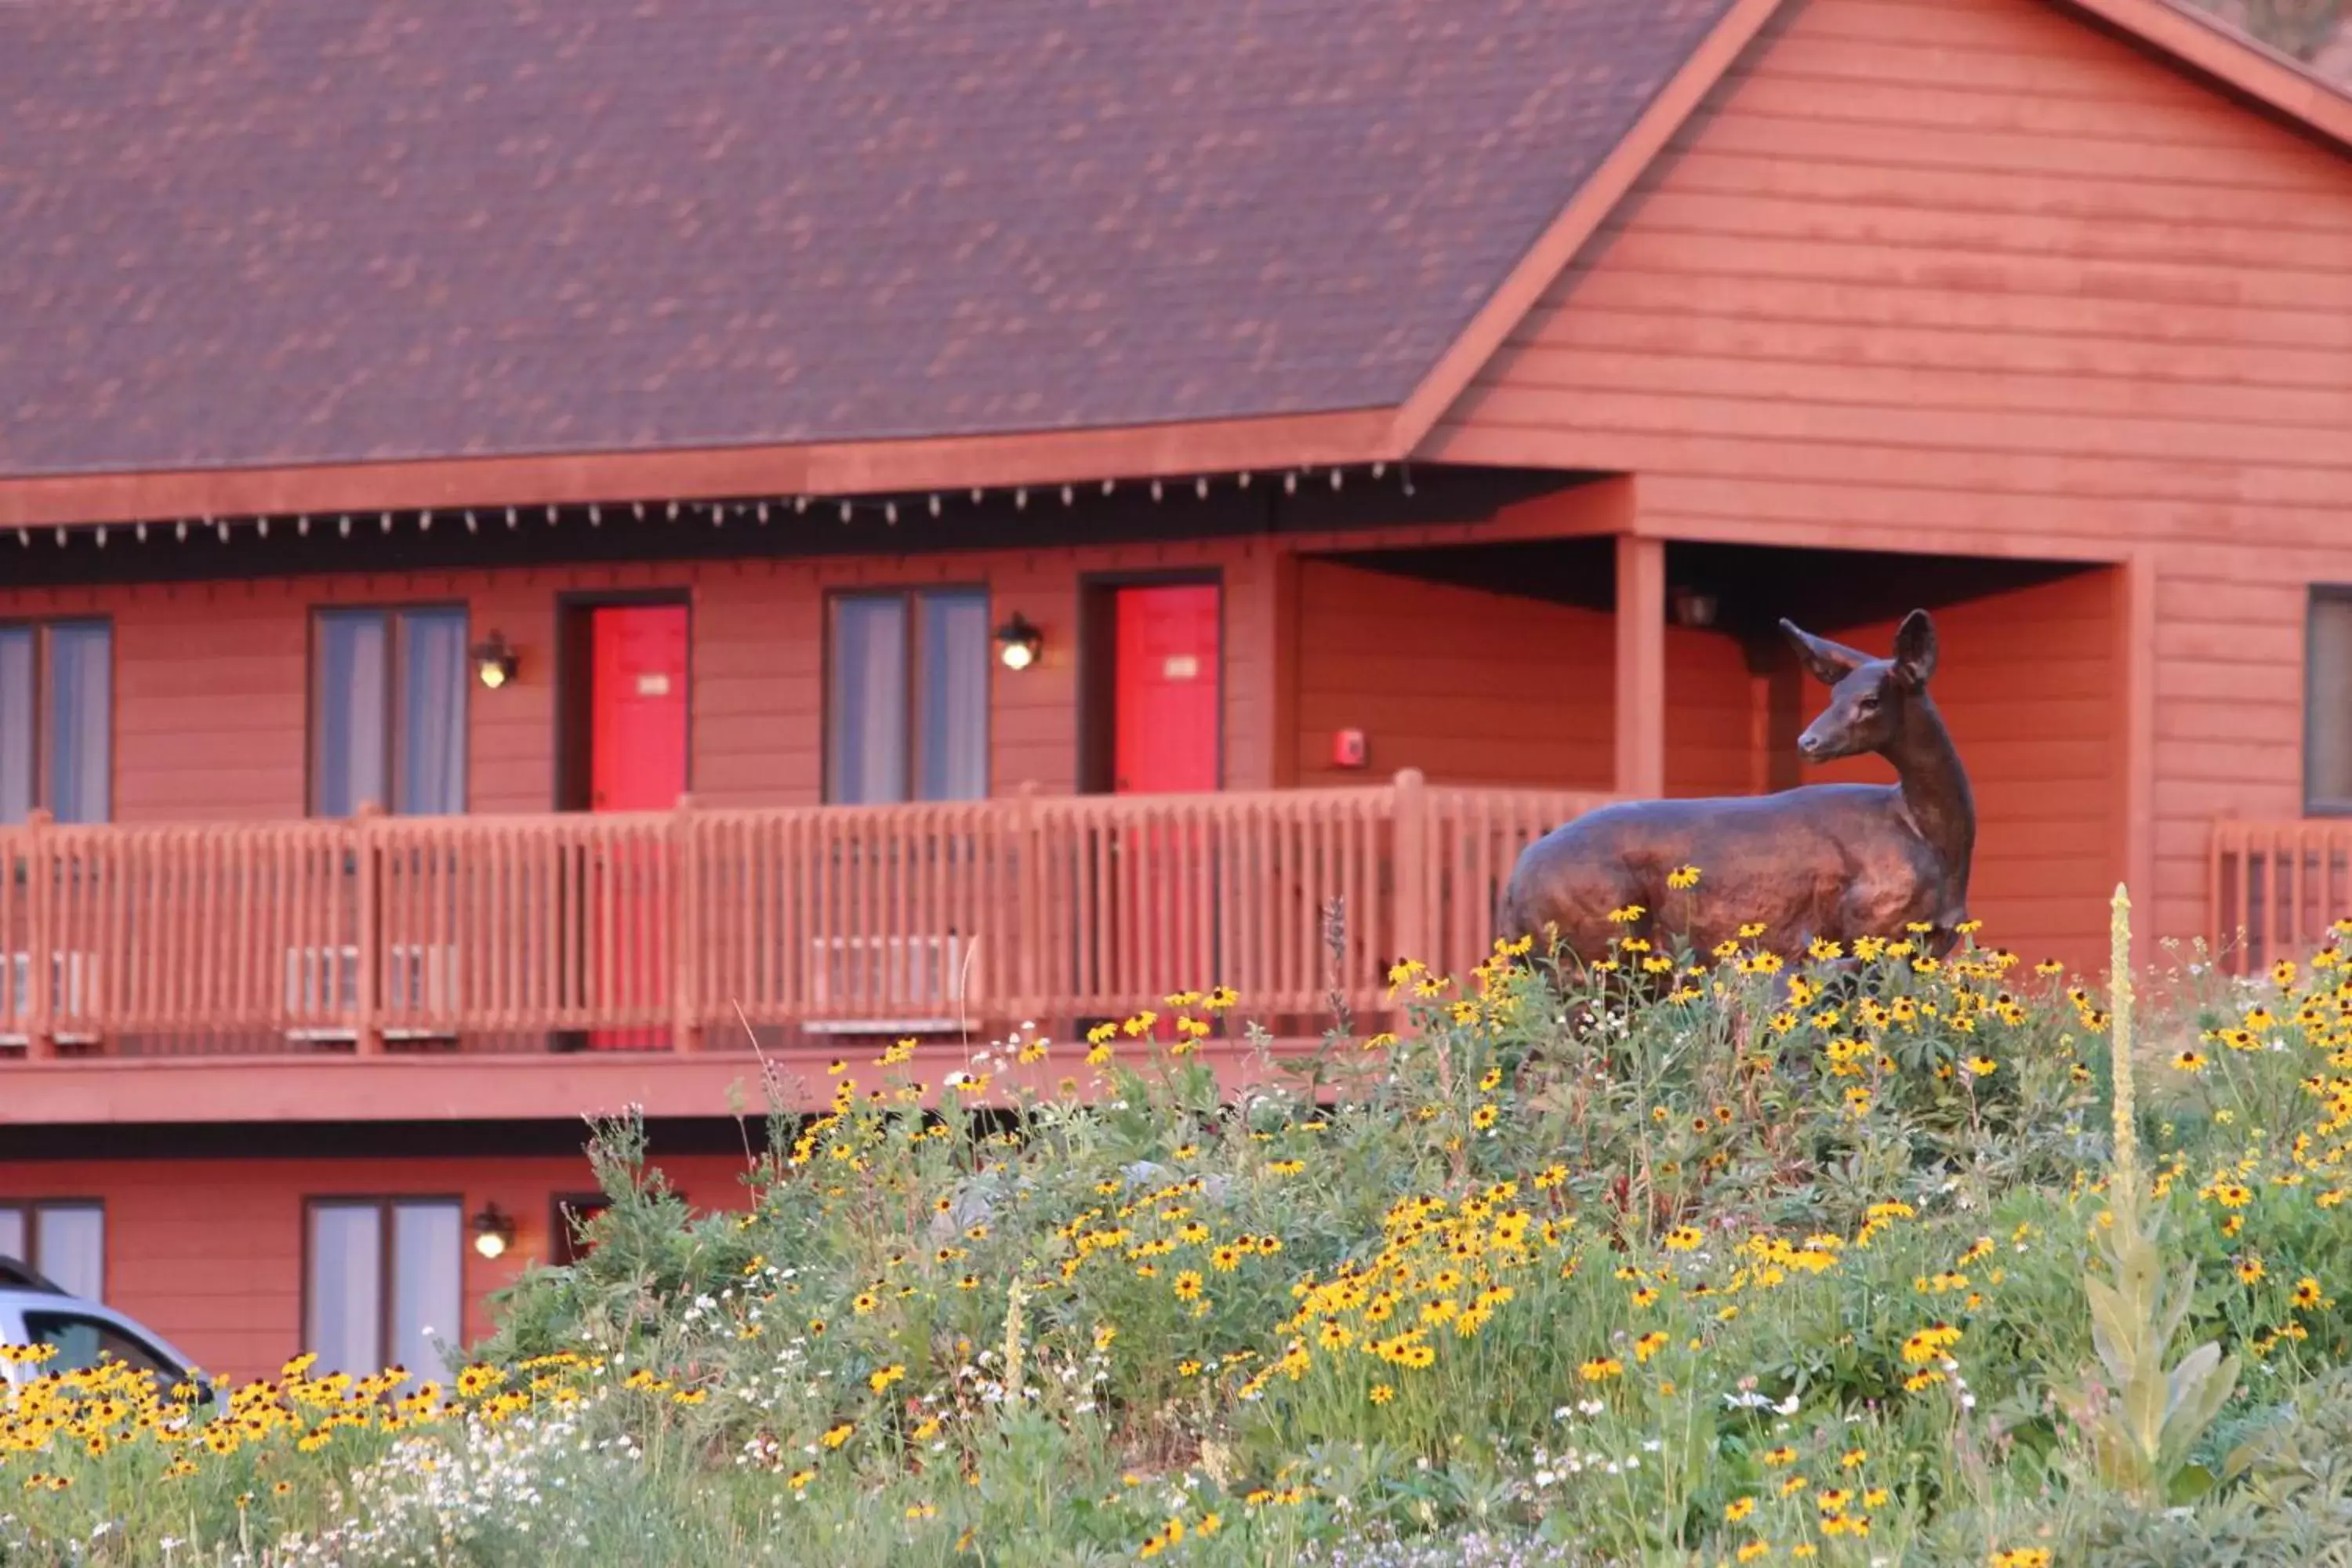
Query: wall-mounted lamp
(1017, 642)
(1693, 607)
(494, 1231)
(494, 659)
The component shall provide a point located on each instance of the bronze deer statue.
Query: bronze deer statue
(1833, 860)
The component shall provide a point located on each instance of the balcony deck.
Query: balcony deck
(394, 967)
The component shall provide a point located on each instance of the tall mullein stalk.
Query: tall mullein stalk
(2119, 1038)
(2141, 1420)
(1013, 1345)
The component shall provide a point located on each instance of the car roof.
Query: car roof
(48, 1298)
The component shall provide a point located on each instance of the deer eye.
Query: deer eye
(1868, 704)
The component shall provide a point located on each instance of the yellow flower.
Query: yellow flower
(1188, 1285)
(1682, 877)
(2250, 1268)
(2190, 1061)
(1383, 1394)
(1683, 1239)
(1483, 1118)
(885, 1376)
(836, 1437)
(1601, 1369)
(1738, 1509)
(1982, 1066)
(1627, 915)
(1853, 1459)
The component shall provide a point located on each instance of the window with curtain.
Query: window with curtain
(2327, 702)
(57, 720)
(385, 1279)
(63, 1240)
(388, 712)
(906, 701)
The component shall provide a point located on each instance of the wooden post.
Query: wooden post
(40, 1018)
(368, 957)
(1413, 880)
(686, 930)
(1641, 770)
(1029, 913)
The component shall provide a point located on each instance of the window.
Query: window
(62, 1240)
(84, 1341)
(388, 712)
(57, 720)
(906, 709)
(384, 1278)
(2327, 702)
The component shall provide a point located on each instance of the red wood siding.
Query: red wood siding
(1470, 686)
(212, 715)
(1971, 275)
(208, 1252)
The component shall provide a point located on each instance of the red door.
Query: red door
(1165, 733)
(636, 762)
(638, 691)
(1165, 724)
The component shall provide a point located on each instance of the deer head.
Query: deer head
(1869, 698)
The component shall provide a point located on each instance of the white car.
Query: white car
(33, 1311)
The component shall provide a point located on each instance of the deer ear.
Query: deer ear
(1830, 662)
(1915, 650)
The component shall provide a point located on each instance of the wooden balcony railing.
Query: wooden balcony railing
(2274, 889)
(653, 930)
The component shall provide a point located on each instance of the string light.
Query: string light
(387, 522)
(473, 523)
(301, 525)
(845, 512)
(101, 536)
(935, 504)
(1201, 486)
(260, 526)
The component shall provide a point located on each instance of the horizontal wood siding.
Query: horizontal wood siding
(1973, 275)
(1471, 688)
(208, 1252)
(212, 678)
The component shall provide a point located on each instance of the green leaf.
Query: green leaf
(2189, 1485)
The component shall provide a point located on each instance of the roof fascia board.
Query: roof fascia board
(865, 467)
(2206, 45)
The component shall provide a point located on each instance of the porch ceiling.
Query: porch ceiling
(1822, 590)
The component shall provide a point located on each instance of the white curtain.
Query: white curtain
(866, 750)
(433, 713)
(16, 723)
(346, 1287)
(954, 695)
(428, 1298)
(81, 726)
(69, 1247)
(347, 717)
(2328, 764)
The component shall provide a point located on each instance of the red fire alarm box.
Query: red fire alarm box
(1347, 749)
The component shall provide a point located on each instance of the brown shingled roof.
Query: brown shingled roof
(283, 232)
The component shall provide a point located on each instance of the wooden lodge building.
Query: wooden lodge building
(540, 543)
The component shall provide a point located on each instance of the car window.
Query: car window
(86, 1342)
